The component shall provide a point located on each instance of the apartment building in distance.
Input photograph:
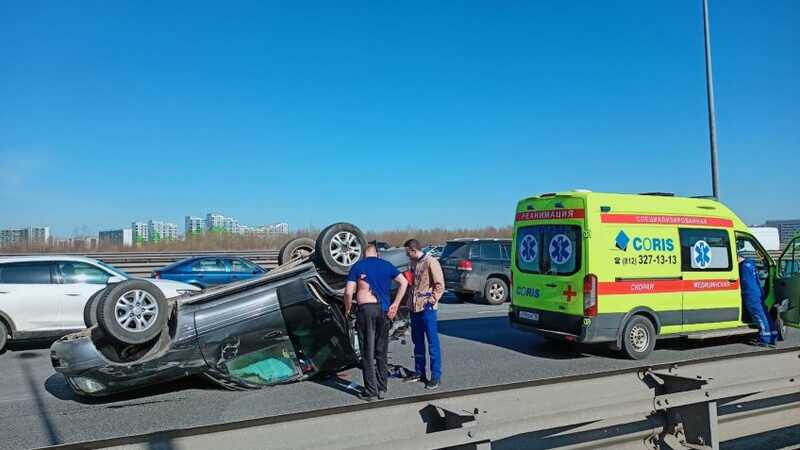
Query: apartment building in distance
(194, 226)
(153, 231)
(35, 236)
(116, 238)
(787, 229)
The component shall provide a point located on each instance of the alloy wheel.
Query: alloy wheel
(136, 310)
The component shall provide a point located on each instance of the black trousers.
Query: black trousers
(373, 340)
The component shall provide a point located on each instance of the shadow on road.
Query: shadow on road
(496, 331)
(48, 425)
(37, 344)
(57, 386)
(341, 382)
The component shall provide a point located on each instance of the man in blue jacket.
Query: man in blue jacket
(753, 299)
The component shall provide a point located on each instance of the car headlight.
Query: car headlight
(87, 385)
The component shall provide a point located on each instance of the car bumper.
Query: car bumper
(567, 327)
(466, 282)
(77, 358)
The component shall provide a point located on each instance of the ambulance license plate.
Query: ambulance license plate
(532, 316)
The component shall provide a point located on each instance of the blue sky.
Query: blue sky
(387, 114)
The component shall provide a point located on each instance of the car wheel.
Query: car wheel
(295, 249)
(496, 291)
(3, 337)
(339, 246)
(90, 309)
(638, 338)
(132, 312)
(464, 296)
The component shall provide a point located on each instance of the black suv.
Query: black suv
(478, 266)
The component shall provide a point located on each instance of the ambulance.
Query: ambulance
(630, 269)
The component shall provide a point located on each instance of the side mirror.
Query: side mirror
(115, 279)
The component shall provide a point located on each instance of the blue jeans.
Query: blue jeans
(423, 326)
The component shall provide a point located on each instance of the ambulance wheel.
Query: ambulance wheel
(638, 338)
(496, 291)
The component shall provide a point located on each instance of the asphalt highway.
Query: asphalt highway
(479, 348)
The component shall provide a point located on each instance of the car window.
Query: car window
(790, 260)
(474, 252)
(452, 247)
(209, 265)
(705, 249)
(25, 273)
(507, 251)
(319, 335)
(78, 272)
(549, 249)
(270, 365)
(491, 251)
(240, 265)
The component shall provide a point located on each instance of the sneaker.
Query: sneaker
(366, 397)
(433, 384)
(381, 395)
(413, 378)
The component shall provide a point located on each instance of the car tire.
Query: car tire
(146, 309)
(295, 249)
(90, 309)
(3, 337)
(495, 292)
(339, 246)
(464, 296)
(638, 337)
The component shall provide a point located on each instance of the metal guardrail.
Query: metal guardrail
(142, 264)
(690, 405)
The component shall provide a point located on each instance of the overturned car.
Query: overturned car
(287, 325)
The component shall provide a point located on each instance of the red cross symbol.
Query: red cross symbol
(569, 293)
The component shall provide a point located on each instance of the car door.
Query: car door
(77, 282)
(711, 295)
(318, 330)
(787, 285)
(506, 263)
(29, 296)
(244, 339)
(241, 269)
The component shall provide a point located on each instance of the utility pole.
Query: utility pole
(712, 117)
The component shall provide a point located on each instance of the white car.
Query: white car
(45, 296)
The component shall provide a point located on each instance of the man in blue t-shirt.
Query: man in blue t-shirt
(371, 280)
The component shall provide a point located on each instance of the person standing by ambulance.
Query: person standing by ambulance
(752, 297)
(427, 289)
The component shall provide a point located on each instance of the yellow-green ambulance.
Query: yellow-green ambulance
(629, 269)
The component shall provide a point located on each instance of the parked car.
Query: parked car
(478, 266)
(46, 296)
(434, 250)
(282, 326)
(204, 271)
